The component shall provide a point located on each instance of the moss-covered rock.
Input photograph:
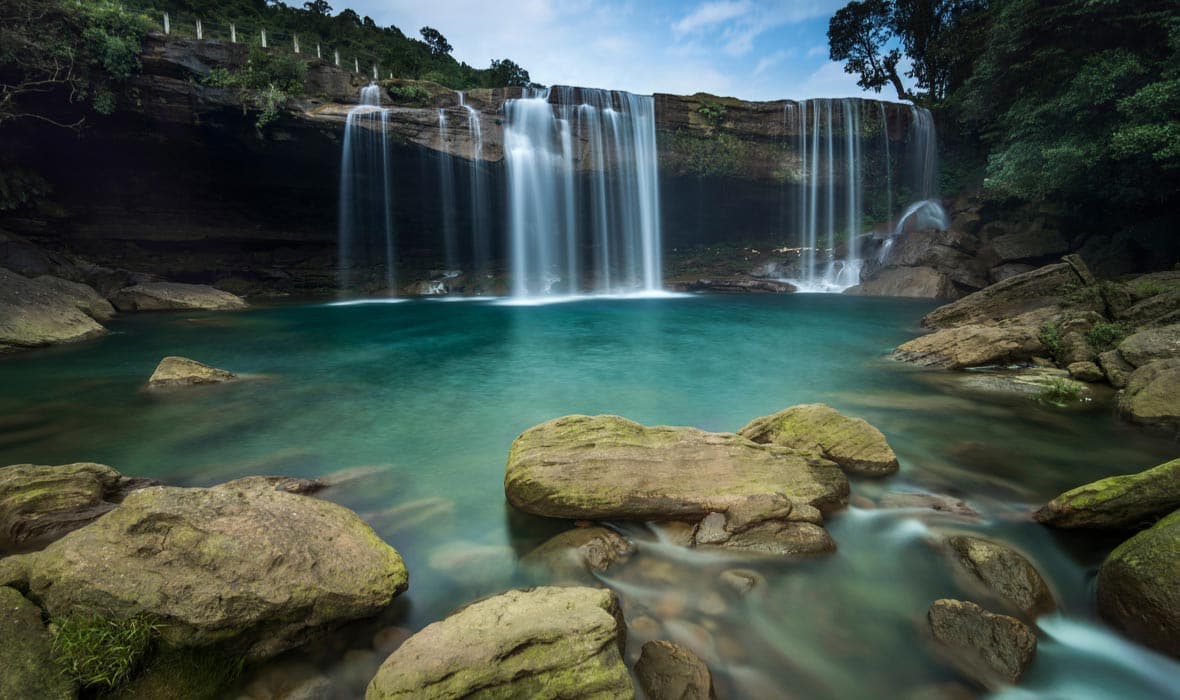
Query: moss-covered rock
(607, 467)
(245, 567)
(39, 503)
(668, 671)
(1151, 344)
(1152, 395)
(1139, 586)
(974, 345)
(990, 649)
(1117, 502)
(171, 296)
(27, 669)
(852, 443)
(33, 315)
(181, 371)
(1003, 572)
(544, 642)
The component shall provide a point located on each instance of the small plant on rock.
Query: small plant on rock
(1106, 335)
(1060, 391)
(1050, 337)
(100, 652)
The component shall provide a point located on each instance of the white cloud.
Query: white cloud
(710, 14)
(817, 51)
(769, 61)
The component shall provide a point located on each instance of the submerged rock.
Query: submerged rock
(170, 296)
(1139, 586)
(540, 642)
(243, 566)
(40, 503)
(574, 553)
(1004, 572)
(607, 467)
(852, 443)
(1152, 395)
(987, 648)
(27, 667)
(181, 371)
(1117, 502)
(931, 501)
(33, 315)
(668, 671)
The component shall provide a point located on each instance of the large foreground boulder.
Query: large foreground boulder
(990, 649)
(244, 566)
(1004, 573)
(852, 443)
(169, 296)
(39, 503)
(1139, 586)
(33, 315)
(180, 371)
(1152, 395)
(27, 669)
(607, 467)
(1118, 502)
(83, 296)
(544, 642)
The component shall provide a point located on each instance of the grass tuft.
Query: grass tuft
(99, 652)
(1060, 391)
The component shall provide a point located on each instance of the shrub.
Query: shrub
(99, 652)
(713, 113)
(1060, 391)
(1050, 337)
(1106, 335)
(413, 94)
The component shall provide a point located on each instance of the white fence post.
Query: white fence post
(375, 72)
(337, 53)
(295, 41)
(317, 51)
(233, 33)
(167, 24)
(200, 30)
(356, 65)
(264, 38)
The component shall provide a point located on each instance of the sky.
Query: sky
(750, 49)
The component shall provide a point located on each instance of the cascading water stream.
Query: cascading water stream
(583, 200)
(446, 188)
(365, 236)
(481, 249)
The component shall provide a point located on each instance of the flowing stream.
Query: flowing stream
(417, 403)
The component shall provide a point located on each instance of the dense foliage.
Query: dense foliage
(428, 58)
(1075, 101)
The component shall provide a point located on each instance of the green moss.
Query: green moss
(1050, 337)
(720, 155)
(183, 674)
(1106, 335)
(100, 652)
(411, 94)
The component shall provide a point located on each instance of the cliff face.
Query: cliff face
(182, 183)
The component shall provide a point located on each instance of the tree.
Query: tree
(859, 34)
(436, 41)
(318, 7)
(505, 73)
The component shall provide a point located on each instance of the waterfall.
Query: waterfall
(446, 188)
(583, 198)
(481, 248)
(830, 141)
(365, 225)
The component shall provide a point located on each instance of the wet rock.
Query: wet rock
(1086, 372)
(1031, 382)
(386, 639)
(1150, 345)
(675, 532)
(932, 501)
(181, 371)
(854, 444)
(987, 648)
(574, 553)
(1152, 395)
(973, 345)
(34, 315)
(1159, 309)
(942, 691)
(916, 282)
(1115, 368)
(587, 467)
(742, 581)
(735, 285)
(83, 297)
(539, 642)
(289, 681)
(1028, 245)
(40, 503)
(668, 671)
(1043, 287)
(26, 656)
(171, 296)
(295, 565)
(1118, 502)
(1139, 586)
(473, 562)
(1003, 272)
(1004, 572)
(766, 524)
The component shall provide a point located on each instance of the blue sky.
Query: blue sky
(752, 49)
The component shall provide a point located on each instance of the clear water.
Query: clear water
(421, 400)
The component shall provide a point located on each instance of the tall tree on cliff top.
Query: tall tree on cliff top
(870, 36)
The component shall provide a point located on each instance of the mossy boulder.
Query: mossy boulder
(172, 296)
(993, 650)
(34, 315)
(39, 503)
(245, 567)
(84, 297)
(548, 642)
(852, 443)
(1003, 572)
(27, 668)
(1118, 502)
(607, 467)
(180, 371)
(668, 671)
(1139, 586)
(1152, 395)
(1151, 344)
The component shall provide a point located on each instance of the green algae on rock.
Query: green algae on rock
(852, 443)
(1004, 572)
(1152, 395)
(27, 669)
(1118, 502)
(546, 642)
(181, 371)
(1139, 586)
(171, 296)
